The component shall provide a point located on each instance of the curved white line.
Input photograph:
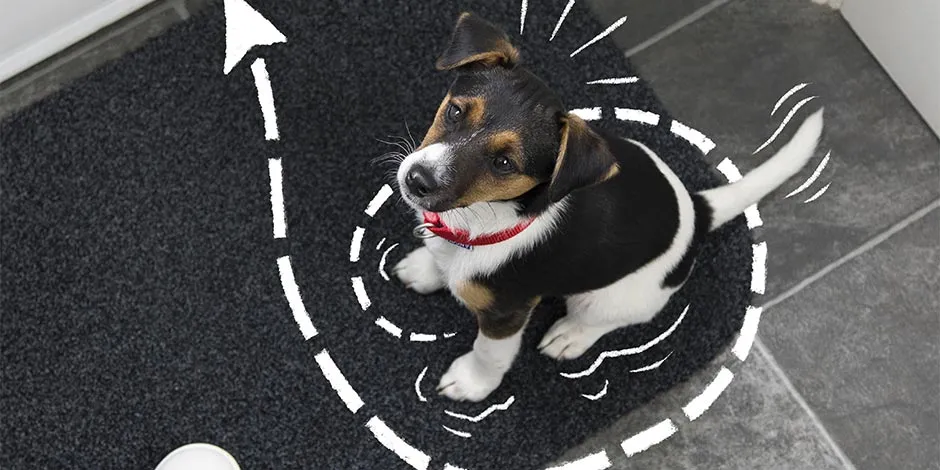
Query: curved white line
(265, 98)
(759, 268)
(392, 442)
(648, 438)
(628, 351)
(614, 81)
(748, 331)
(562, 18)
(476, 419)
(812, 178)
(388, 326)
(277, 197)
(525, 8)
(356, 244)
(654, 365)
(694, 137)
(818, 194)
(360, 289)
(418, 385)
(449, 335)
(727, 168)
(787, 95)
(598, 395)
(422, 337)
(292, 292)
(637, 115)
(698, 405)
(382, 261)
(381, 242)
(338, 381)
(380, 197)
(457, 433)
(603, 34)
(784, 123)
(595, 461)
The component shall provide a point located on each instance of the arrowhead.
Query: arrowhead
(244, 29)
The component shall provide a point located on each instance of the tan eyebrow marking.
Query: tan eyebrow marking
(509, 142)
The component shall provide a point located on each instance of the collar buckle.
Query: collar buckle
(422, 231)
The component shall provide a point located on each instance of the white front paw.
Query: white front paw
(569, 339)
(418, 272)
(468, 379)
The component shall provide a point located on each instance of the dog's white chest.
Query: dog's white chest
(458, 264)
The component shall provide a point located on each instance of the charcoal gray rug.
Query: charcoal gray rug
(143, 305)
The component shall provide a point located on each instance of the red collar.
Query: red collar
(461, 237)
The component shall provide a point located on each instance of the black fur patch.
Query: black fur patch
(608, 231)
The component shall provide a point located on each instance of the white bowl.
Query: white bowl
(198, 456)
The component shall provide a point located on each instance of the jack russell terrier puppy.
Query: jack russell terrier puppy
(520, 200)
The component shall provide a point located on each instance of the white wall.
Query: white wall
(32, 30)
(904, 36)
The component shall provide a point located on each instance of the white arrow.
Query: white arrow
(244, 29)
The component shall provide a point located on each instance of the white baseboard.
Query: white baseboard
(834, 4)
(84, 26)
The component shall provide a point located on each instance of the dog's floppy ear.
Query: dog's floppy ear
(584, 159)
(476, 41)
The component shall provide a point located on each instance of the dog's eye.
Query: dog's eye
(453, 113)
(502, 164)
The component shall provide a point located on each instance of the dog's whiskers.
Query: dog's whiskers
(480, 219)
(403, 148)
(414, 145)
(391, 158)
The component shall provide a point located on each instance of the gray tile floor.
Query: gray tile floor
(845, 370)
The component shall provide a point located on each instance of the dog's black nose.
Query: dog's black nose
(420, 181)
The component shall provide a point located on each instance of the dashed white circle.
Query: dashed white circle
(599, 460)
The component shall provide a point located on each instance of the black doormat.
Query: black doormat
(142, 297)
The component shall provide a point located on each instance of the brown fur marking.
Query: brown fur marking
(488, 187)
(509, 142)
(563, 147)
(501, 52)
(573, 126)
(477, 297)
(437, 127)
(504, 54)
(491, 188)
(613, 171)
(503, 326)
(473, 108)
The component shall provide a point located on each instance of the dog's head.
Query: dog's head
(500, 134)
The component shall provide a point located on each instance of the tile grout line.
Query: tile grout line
(772, 361)
(864, 247)
(83, 46)
(796, 395)
(669, 30)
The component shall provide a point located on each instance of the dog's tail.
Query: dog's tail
(727, 201)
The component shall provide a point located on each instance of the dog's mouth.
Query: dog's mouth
(435, 203)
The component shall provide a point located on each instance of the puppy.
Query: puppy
(519, 200)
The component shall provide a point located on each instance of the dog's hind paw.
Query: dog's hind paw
(468, 379)
(418, 272)
(569, 339)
